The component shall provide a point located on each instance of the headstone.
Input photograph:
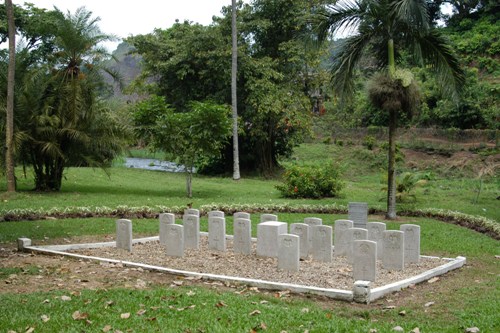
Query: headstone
(358, 213)
(412, 242)
(267, 237)
(242, 240)
(192, 211)
(341, 242)
(288, 252)
(376, 233)
(215, 213)
(365, 260)
(393, 250)
(311, 222)
(322, 243)
(217, 233)
(174, 234)
(352, 235)
(165, 219)
(241, 215)
(191, 232)
(124, 234)
(302, 230)
(268, 217)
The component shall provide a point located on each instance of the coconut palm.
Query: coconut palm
(382, 29)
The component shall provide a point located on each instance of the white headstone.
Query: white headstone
(365, 260)
(288, 252)
(312, 221)
(124, 234)
(268, 217)
(376, 234)
(216, 213)
(412, 242)
(242, 240)
(192, 211)
(191, 232)
(217, 233)
(174, 240)
(302, 230)
(267, 237)
(358, 213)
(352, 235)
(393, 250)
(165, 219)
(341, 241)
(241, 215)
(321, 243)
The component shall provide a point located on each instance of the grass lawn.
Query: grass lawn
(465, 298)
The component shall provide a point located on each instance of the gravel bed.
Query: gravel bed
(335, 275)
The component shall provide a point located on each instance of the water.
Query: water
(153, 164)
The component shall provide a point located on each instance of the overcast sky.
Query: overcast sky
(124, 17)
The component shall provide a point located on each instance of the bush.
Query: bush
(311, 181)
(369, 142)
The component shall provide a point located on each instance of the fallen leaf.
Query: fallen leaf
(77, 315)
(372, 330)
(220, 304)
(263, 326)
(141, 312)
(154, 308)
(328, 315)
(402, 313)
(45, 318)
(106, 328)
(389, 307)
(415, 330)
(109, 303)
(151, 319)
(398, 329)
(429, 304)
(304, 310)
(178, 283)
(254, 313)
(30, 330)
(45, 301)
(434, 279)
(190, 293)
(472, 330)
(125, 315)
(264, 302)
(65, 298)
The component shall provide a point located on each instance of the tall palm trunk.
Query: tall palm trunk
(391, 168)
(234, 70)
(9, 131)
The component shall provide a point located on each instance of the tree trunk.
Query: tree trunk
(189, 180)
(234, 70)
(9, 130)
(391, 169)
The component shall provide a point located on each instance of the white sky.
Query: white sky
(125, 17)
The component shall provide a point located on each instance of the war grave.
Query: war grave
(354, 260)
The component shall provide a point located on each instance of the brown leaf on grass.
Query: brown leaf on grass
(220, 304)
(415, 330)
(45, 318)
(151, 319)
(263, 326)
(106, 328)
(30, 330)
(428, 304)
(254, 313)
(141, 312)
(281, 294)
(434, 279)
(328, 315)
(125, 315)
(65, 298)
(77, 315)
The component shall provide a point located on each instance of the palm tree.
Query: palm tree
(9, 128)
(382, 30)
(234, 100)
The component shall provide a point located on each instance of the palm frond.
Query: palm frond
(412, 12)
(339, 18)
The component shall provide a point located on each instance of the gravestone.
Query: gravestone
(376, 233)
(267, 237)
(217, 233)
(124, 234)
(412, 242)
(174, 235)
(312, 221)
(241, 215)
(302, 230)
(365, 260)
(165, 219)
(242, 240)
(352, 235)
(215, 213)
(192, 211)
(358, 213)
(191, 232)
(288, 252)
(393, 250)
(321, 243)
(268, 217)
(341, 242)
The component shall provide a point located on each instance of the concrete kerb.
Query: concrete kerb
(24, 244)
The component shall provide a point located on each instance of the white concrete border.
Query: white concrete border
(345, 295)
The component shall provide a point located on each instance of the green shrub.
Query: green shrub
(369, 142)
(311, 181)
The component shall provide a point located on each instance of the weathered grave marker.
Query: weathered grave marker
(241, 215)
(341, 241)
(242, 240)
(376, 234)
(192, 211)
(267, 237)
(191, 232)
(412, 242)
(217, 233)
(322, 243)
(165, 219)
(365, 260)
(393, 250)
(174, 240)
(352, 235)
(288, 252)
(215, 213)
(302, 230)
(124, 234)
(358, 213)
(268, 217)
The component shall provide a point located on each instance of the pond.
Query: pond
(153, 164)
